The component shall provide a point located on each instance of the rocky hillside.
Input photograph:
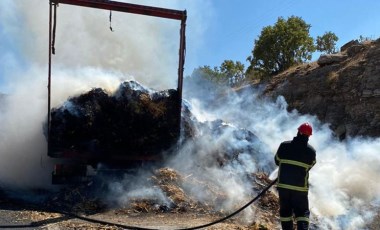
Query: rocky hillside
(341, 89)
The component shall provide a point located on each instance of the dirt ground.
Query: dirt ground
(78, 207)
(19, 215)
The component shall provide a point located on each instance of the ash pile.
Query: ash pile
(134, 120)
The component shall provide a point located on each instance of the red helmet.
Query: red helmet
(305, 129)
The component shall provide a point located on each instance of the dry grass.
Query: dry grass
(332, 77)
(156, 109)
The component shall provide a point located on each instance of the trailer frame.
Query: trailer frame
(75, 171)
(126, 8)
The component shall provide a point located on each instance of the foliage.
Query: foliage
(326, 43)
(285, 44)
(254, 76)
(206, 73)
(204, 83)
(233, 71)
(228, 74)
(281, 46)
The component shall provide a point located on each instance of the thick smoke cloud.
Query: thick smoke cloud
(83, 38)
(142, 46)
(88, 55)
(22, 143)
(344, 191)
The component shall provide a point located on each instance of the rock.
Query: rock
(342, 93)
(355, 49)
(349, 44)
(328, 59)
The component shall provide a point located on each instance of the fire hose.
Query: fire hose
(189, 228)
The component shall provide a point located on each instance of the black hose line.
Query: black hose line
(236, 212)
(190, 228)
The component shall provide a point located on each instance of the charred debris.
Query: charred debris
(132, 121)
(139, 123)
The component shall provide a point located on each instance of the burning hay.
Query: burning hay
(134, 120)
(178, 190)
(79, 199)
(267, 204)
(171, 183)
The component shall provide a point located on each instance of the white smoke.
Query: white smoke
(138, 46)
(344, 192)
(133, 187)
(22, 144)
(88, 55)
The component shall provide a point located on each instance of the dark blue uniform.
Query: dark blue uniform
(295, 158)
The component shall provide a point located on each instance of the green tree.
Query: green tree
(326, 43)
(229, 73)
(207, 74)
(232, 71)
(206, 83)
(231, 68)
(281, 46)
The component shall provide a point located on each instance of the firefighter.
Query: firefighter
(295, 158)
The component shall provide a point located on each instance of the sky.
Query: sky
(216, 30)
(236, 24)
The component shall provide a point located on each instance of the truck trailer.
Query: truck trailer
(78, 147)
